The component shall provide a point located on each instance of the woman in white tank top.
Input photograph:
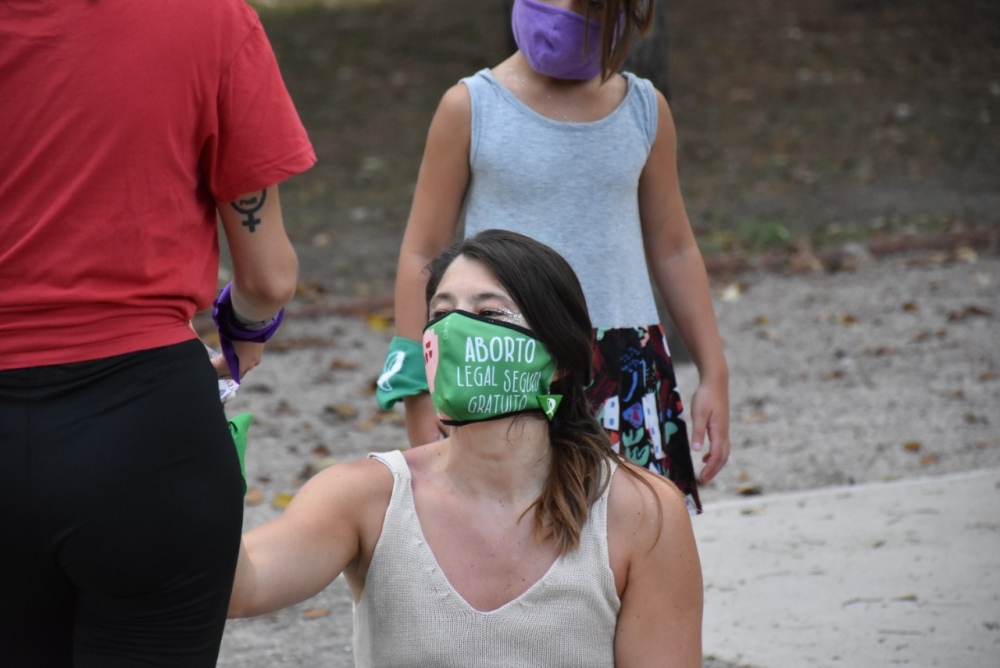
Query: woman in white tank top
(521, 539)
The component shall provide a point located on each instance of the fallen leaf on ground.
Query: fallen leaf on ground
(966, 254)
(754, 417)
(379, 323)
(804, 260)
(731, 293)
(924, 335)
(299, 343)
(346, 411)
(969, 311)
(254, 497)
(912, 446)
(326, 463)
(281, 500)
(929, 259)
(315, 613)
(309, 290)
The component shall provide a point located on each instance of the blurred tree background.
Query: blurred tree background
(822, 120)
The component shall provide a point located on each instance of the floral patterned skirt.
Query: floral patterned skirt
(635, 398)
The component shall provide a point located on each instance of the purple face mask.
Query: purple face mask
(552, 40)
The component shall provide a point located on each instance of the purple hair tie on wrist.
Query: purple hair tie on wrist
(231, 329)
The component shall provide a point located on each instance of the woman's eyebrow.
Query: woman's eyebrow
(441, 297)
(478, 298)
(484, 296)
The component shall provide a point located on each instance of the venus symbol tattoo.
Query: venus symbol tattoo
(248, 207)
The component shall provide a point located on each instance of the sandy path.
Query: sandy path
(888, 372)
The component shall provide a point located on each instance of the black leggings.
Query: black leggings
(121, 508)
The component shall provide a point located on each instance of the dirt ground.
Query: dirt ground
(841, 164)
(886, 372)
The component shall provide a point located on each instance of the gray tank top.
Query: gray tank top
(409, 614)
(572, 186)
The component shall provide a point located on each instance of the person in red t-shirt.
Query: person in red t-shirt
(128, 130)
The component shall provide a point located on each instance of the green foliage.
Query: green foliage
(761, 234)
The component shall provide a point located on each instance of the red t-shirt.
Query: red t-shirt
(121, 123)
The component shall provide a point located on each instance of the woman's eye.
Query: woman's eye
(498, 312)
(439, 313)
(503, 313)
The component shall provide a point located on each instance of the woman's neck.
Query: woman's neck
(506, 459)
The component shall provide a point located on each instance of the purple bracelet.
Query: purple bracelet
(231, 329)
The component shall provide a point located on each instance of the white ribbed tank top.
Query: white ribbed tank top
(409, 614)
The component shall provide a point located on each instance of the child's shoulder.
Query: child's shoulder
(456, 101)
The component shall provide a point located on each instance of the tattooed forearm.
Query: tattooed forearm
(248, 206)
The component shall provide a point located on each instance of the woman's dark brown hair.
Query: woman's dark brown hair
(549, 295)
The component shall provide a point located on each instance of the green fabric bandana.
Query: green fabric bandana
(482, 369)
(403, 373)
(238, 428)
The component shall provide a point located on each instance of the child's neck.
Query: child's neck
(560, 99)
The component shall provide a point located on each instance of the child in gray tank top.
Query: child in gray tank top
(556, 144)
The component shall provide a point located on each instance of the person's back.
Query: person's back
(128, 129)
(123, 123)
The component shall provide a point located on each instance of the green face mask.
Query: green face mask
(481, 369)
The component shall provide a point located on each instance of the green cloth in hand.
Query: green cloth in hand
(238, 427)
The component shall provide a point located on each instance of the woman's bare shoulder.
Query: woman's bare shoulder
(357, 489)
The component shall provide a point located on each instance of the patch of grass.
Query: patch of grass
(763, 234)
